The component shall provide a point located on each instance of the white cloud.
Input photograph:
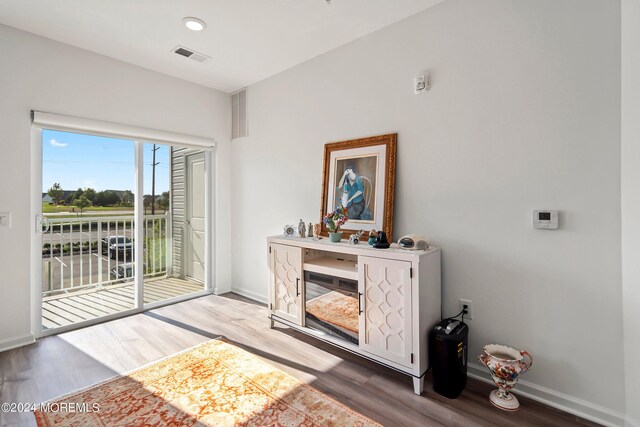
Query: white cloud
(57, 144)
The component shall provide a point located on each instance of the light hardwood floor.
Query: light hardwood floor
(60, 364)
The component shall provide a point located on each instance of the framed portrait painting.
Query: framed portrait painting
(359, 174)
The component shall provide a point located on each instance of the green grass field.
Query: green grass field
(47, 208)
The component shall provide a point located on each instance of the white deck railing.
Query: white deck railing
(74, 254)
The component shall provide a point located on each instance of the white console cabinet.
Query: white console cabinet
(378, 303)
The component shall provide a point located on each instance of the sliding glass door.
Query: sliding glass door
(124, 226)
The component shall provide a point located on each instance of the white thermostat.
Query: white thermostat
(545, 219)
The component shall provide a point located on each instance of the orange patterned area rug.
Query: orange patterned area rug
(213, 384)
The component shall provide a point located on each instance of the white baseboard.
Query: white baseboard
(250, 294)
(558, 400)
(219, 290)
(16, 342)
(632, 423)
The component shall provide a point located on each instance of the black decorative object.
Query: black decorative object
(381, 241)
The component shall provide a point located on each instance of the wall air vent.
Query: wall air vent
(191, 54)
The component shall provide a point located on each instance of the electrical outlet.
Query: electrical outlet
(468, 303)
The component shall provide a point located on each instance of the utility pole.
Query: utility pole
(153, 180)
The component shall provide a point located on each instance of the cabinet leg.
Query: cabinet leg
(271, 323)
(418, 385)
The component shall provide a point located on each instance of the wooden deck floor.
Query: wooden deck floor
(79, 306)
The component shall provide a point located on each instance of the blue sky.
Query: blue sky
(79, 161)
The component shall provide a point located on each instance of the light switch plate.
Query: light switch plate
(5, 219)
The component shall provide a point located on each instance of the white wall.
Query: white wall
(524, 113)
(631, 202)
(41, 74)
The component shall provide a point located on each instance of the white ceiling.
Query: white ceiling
(248, 40)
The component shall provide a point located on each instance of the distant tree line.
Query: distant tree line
(84, 198)
(162, 202)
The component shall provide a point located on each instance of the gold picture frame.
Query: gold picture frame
(370, 195)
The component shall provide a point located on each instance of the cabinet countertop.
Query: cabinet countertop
(363, 248)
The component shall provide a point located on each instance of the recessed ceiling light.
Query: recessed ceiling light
(194, 24)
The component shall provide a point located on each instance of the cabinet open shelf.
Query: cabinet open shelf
(333, 266)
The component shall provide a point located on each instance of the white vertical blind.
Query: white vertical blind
(95, 127)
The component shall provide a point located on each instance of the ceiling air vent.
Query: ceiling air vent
(191, 54)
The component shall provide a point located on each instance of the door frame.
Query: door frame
(139, 306)
(36, 237)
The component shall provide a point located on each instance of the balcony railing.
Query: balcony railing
(76, 252)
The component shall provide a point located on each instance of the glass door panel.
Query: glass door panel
(88, 244)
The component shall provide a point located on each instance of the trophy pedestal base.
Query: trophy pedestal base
(510, 403)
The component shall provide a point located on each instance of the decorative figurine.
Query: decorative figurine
(354, 239)
(373, 235)
(381, 241)
(310, 231)
(317, 229)
(505, 365)
(302, 229)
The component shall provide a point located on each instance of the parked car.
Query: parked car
(123, 271)
(120, 247)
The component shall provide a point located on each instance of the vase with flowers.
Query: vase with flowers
(334, 220)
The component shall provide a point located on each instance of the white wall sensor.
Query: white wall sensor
(545, 219)
(422, 83)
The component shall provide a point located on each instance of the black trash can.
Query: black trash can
(448, 355)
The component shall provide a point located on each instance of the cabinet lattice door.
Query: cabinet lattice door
(385, 322)
(286, 282)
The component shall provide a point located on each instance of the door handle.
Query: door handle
(297, 286)
(42, 224)
(359, 303)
